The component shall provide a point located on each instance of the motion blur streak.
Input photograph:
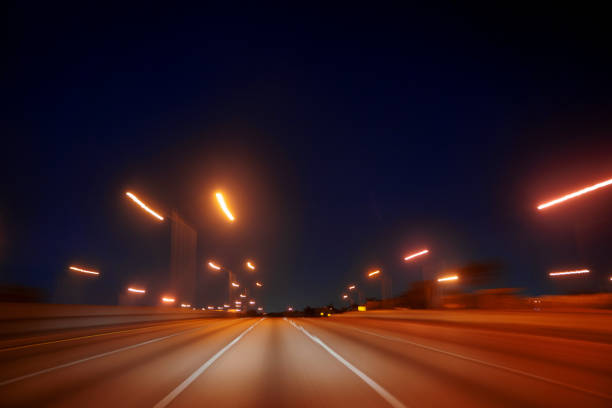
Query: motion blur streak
(234, 284)
(226, 210)
(575, 194)
(168, 299)
(374, 273)
(258, 284)
(168, 398)
(448, 278)
(47, 370)
(351, 287)
(250, 265)
(394, 402)
(486, 363)
(212, 265)
(578, 272)
(136, 290)
(74, 268)
(144, 207)
(423, 252)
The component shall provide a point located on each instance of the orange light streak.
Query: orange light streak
(234, 284)
(448, 278)
(74, 268)
(578, 272)
(166, 299)
(223, 206)
(250, 265)
(575, 194)
(214, 266)
(136, 290)
(144, 206)
(423, 252)
(376, 272)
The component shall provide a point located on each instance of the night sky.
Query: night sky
(343, 140)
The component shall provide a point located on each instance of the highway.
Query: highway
(300, 362)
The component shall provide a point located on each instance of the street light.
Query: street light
(258, 284)
(345, 297)
(250, 265)
(223, 206)
(374, 273)
(77, 269)
(234, 284)
(575, 194)
(578, 272)
(352, 287)
(214, 266)
(423, 252)
(135, 290)
(168, 299)
(144, 206)
(252, 302)
(242, 295)
(448, 278)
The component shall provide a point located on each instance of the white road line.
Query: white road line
(108, 353)
(181, 387)
(394, 402)
(486, 363)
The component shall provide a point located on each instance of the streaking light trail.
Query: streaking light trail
(74, 268)
(144, 207)
(223, 206)
(351, 287)
(250, 265)
(167, 299)
(423, 252)
(575, 194)
(376, 272)
(258, 284)
(134, 290)
(212, 265)
(448, 278)
(234, 284)
(578, 272)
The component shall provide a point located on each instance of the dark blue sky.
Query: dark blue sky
(343, 138)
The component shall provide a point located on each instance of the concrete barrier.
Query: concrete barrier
(23, 318)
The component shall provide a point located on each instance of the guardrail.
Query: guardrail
(24, 318)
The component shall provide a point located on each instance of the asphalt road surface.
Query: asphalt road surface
(293, 362)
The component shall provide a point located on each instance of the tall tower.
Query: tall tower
(183, 247)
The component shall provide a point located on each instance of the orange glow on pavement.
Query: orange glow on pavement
(423, 252)
(143, 206)
(214, 266)
(74, 268)
(448, 278)
(167, 299)
(575, 194)
(134, 290)
(578, 272)
(223, 206)
(250, 265)
(374, 273)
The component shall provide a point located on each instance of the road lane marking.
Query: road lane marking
(181, 387)
(394, 402)
(486, 363)
(85, 337)
(83, 360)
